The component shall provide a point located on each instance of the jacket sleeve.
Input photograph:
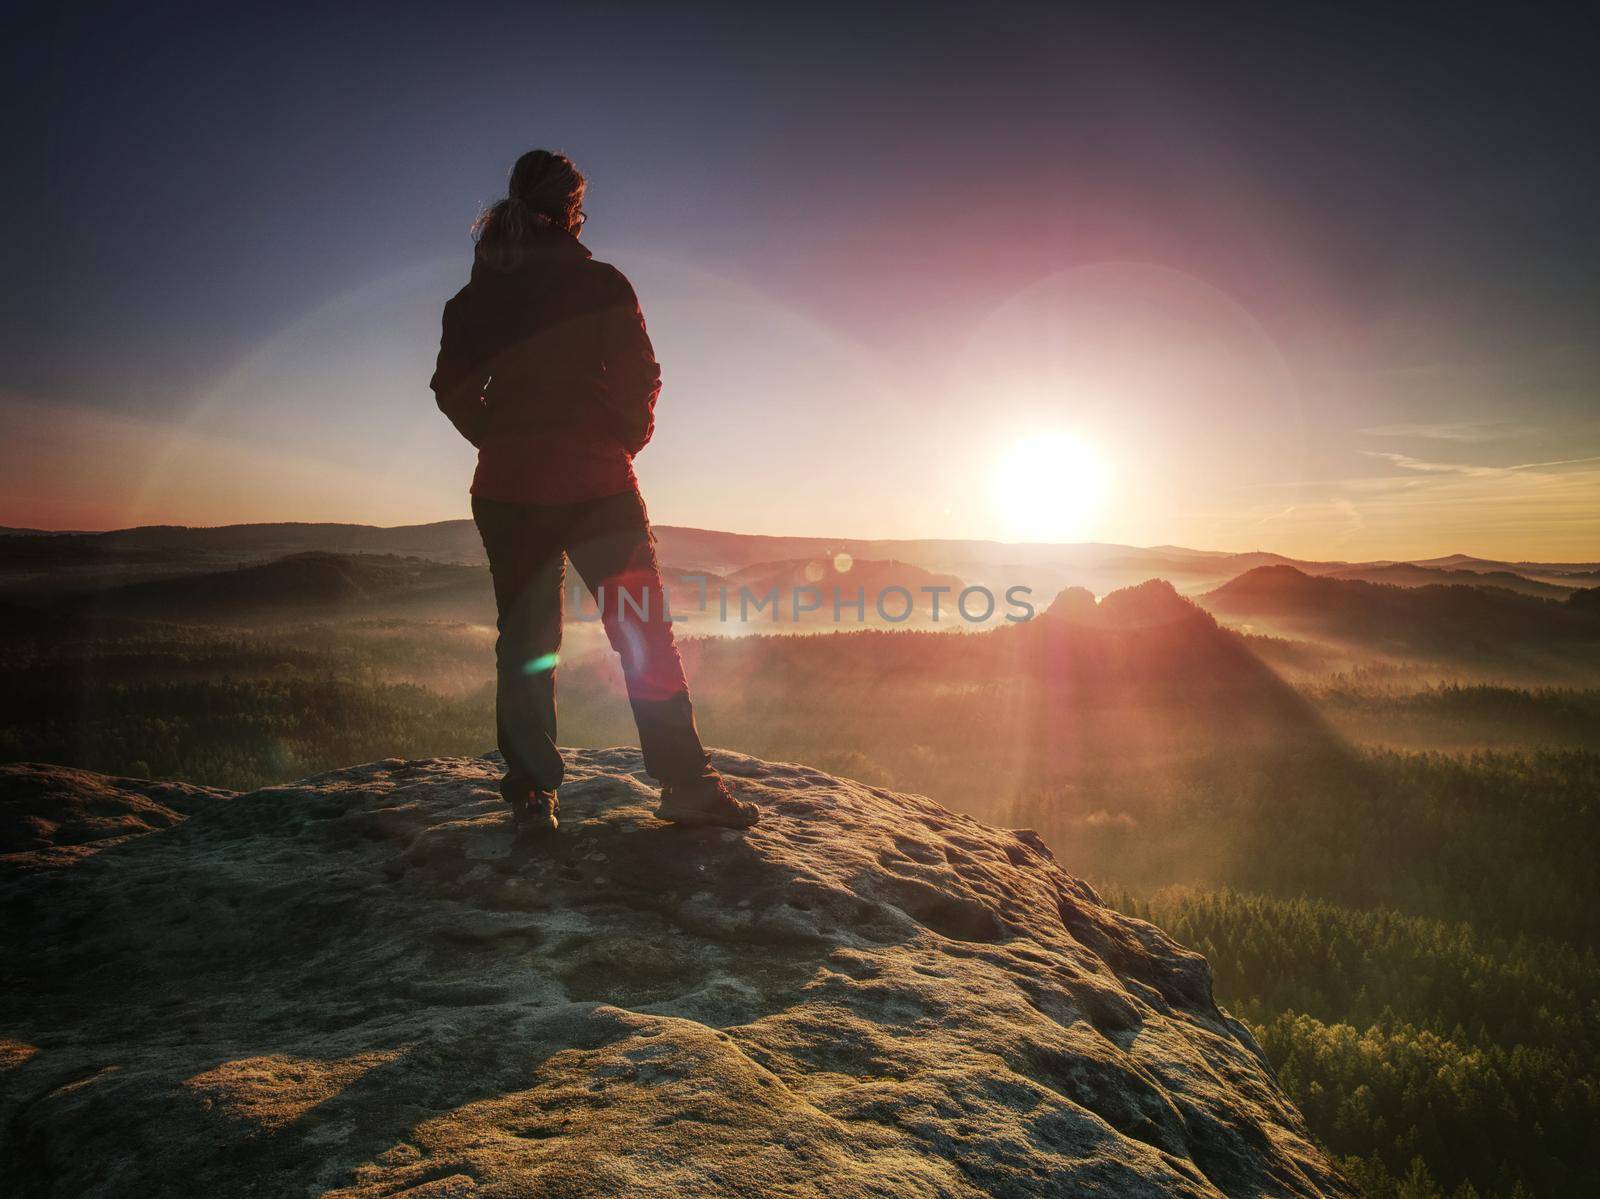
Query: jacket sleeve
(632, 374)
(458, 377)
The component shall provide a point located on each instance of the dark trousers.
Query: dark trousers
(609, 543)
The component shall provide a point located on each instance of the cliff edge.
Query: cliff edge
(355, 985)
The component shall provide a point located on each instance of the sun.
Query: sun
(1050, 486)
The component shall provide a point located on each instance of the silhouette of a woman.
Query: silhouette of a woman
(545, 366)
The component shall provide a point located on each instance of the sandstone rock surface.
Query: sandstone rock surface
(53, 815)
(356, 986)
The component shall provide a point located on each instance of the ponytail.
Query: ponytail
(544, 191)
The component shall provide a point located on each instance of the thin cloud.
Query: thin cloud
(1407, 462)
(1465, 431)
(1557, 462)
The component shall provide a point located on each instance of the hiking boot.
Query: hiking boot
(705, 801)
(534, 814)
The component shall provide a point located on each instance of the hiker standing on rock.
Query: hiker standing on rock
(545, 366)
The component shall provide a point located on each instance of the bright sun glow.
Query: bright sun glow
(1050, 487)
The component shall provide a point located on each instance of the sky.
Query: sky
(1232, 277)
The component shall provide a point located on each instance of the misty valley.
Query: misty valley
(1364, 792)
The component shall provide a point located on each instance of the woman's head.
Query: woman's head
(544, 190)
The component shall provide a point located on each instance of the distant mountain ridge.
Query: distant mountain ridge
(302, 583)
(43, 563)
(1453, 620)
(1409, 574)
(688, 543)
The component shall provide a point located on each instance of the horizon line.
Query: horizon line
(19, 530)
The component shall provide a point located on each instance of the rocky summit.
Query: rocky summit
(357, 985)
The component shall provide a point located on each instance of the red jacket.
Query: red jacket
(546, 367)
